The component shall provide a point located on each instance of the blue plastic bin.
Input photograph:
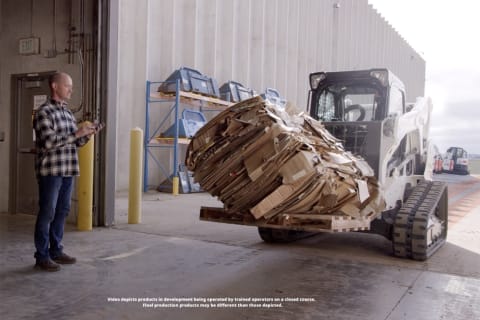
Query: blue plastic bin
(190, 80)
(273, 96)
(190, 123)
(235, 92)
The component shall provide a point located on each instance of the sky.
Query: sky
(446, 34)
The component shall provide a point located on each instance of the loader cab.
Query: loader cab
(355, 107)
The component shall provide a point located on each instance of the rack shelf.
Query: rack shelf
(193, 99)
(154, 140)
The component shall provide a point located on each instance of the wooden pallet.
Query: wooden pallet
(300, 221)
(169, 141)
(194, 99)
(334, 223)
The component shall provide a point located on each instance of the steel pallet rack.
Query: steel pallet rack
(152, 139)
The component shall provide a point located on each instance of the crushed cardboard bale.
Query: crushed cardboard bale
(272, 168)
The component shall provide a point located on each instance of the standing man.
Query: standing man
(56, 163)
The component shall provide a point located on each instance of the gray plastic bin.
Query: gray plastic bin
(235, 92)
(190, 80)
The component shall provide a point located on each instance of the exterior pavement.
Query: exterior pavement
(173, 266)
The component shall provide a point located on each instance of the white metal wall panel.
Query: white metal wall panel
(224, 41)
(326, 34)
(184, 32)
(255, 66)
(281, 54)
(204, 32)
(344, 36)
(270, 44)
(241, 46)
(273, 42)
(259, 43)
(292, 51)
(363, 28)
(161, 39)
(304, 50)
(312, 21)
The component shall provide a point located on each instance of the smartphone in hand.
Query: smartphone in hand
(98, 126)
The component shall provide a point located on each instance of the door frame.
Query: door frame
(108, 13)
(17, 79)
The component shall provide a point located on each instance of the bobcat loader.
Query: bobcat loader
(366, 109)
(367, 112)
(455, 161)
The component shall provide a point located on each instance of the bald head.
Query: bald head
(58, 77)
(60, 86)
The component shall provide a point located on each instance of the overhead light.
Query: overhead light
(316, 78)
(381, 75)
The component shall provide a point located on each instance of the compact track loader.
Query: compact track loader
(454, 161)
(366, 111)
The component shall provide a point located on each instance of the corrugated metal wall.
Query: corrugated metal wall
(260, 43)
(276, 43)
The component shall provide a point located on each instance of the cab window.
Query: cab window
(397, 101)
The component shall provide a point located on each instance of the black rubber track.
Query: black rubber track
(410, 227)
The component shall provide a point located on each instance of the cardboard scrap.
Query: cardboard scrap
(275, 198)
(338, 158)
(298, 166)
(363, 193)
(267, 165)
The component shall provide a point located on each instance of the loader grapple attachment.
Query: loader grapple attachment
(360, 138)
(304, 222)
(353, 136)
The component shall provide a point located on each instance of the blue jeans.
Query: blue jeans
(54, 200)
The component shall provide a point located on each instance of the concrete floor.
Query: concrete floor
(173, 255)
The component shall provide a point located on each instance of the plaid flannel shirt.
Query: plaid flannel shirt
(55, 142)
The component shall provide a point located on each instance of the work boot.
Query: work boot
(64, 258)
(47, 265)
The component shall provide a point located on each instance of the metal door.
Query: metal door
(29, 91)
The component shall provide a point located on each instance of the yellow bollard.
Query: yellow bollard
(175, 184)
(85, 186)
(135, 180)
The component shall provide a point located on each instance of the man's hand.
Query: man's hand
(87, 129)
